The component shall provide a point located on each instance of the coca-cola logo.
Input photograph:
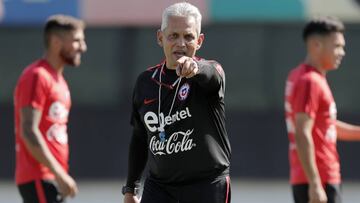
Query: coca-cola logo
(176, 143)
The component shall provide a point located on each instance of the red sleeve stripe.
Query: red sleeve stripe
(40, 191)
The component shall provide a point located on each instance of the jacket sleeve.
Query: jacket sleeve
(138, 150)
(211, 77)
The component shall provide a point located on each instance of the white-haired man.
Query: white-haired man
(178, 119)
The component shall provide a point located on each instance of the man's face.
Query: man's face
(332, 50)
(73, 45)
(179, 39)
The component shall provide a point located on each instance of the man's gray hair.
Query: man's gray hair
(182, 9)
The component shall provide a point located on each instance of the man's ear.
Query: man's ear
(55, 41)
(200, 40)
(316, 43)
(159, 36)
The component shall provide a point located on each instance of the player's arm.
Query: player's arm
(138, 154)
(347, 132)
(36, 145)
(208, 74)
(138, 151)
(306, 152)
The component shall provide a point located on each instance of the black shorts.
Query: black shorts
(300, 193)
(216, 191)
(40, 191)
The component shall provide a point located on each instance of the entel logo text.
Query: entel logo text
(152, 121)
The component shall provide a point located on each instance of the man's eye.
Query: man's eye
(189, 37)
(173, 36)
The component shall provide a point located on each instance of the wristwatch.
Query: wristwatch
(127, 189)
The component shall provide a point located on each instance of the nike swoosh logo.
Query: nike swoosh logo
(149, 101)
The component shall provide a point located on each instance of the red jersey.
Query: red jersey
(307, 91)
(42, 88)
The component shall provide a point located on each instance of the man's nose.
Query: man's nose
(181, 42)
(83, 46)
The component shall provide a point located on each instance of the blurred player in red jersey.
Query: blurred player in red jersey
(42, 103)
(310, 110)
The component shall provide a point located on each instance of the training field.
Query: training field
(243, 191)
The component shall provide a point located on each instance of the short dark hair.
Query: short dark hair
(322, 26)
(56, 24)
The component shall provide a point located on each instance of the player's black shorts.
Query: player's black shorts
(216, 191)
(300, 193)
(40, 191)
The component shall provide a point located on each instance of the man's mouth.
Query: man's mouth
(179, 54)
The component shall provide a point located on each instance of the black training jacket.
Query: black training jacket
(195, 145)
